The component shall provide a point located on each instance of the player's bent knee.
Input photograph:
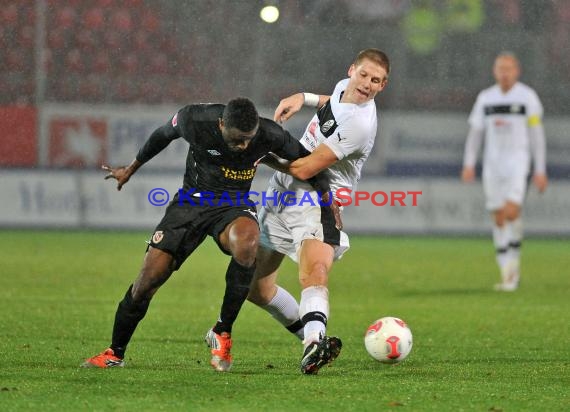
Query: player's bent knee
(512, 212)
(243, 242)
(244, 250)
(245, 254)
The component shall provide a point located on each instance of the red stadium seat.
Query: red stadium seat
(54, 4)
(159, 63)
(74, 61)
(15, 60)
(92, 89)
(105, 3)
(112, 39)
(129, 63)
(48, 61)
(85, 39)
(66, 18)
(9, 15)
(150, 21)
(94, 18)
(132, 3)
(121, 20)
(141, 40)
(101, 62)
(124, 92)
(26, 37)
(64, 90)
(18, 90)
(56, 39)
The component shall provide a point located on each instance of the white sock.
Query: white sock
(515, 229)
(501, 242)
(284, 308)
(314, 312)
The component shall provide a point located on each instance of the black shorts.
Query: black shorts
(184, 227)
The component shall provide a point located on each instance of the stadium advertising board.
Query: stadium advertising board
(407, 144)
(87, 136)
(36, 198)
(18, 142)
(84, 199)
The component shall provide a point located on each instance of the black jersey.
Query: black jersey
(210, 165)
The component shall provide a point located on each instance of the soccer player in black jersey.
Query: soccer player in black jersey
(226, 143)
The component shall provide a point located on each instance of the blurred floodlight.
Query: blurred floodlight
(269, 14)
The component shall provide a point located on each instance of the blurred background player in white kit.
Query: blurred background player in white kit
(340, 136)
(508, 116)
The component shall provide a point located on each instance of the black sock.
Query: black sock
(129, 314)
(295, 327)
(238, 279)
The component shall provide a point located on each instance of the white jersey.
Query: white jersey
(348, 130)
(505, 119)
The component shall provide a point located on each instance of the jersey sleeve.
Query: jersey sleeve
(159, 139)
(535, 110)
(283, 143)
(477, 116)
(347, 139)
(472, 146)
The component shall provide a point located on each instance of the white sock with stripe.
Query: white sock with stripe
(314, 312)
(285, 309)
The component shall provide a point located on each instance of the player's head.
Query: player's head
(368, 76)
(506, 70)
(239, 123)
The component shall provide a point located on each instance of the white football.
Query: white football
(388, 340)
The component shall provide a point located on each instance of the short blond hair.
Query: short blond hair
(375, 55)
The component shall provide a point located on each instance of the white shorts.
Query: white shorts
(285, 226)
(499, 190)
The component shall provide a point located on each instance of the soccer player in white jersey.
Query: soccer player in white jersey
(340, 136)
(508, 116)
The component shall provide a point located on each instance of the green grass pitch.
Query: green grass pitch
(474, 349)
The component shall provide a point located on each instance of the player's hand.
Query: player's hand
(288, 107)
(468, 174)
(327, 200)
(540, 181)
(121, 174)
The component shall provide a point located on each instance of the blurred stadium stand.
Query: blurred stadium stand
(173, 52)
(85, 82)
(103, 51)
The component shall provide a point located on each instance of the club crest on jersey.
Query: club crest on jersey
(157, 237)
(327, 125)
(214, 152)
(175, 120)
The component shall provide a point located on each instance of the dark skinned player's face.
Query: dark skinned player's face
(235, 139)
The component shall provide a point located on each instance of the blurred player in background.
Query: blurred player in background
(340, 136)
(225, 145)
(508, 116)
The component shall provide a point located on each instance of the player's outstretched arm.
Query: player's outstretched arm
(306, 167)
(538, 151)
(121, 174)
(472, 147)
(540, 181)
(290, 105)
(319, 181)
(468, 174)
